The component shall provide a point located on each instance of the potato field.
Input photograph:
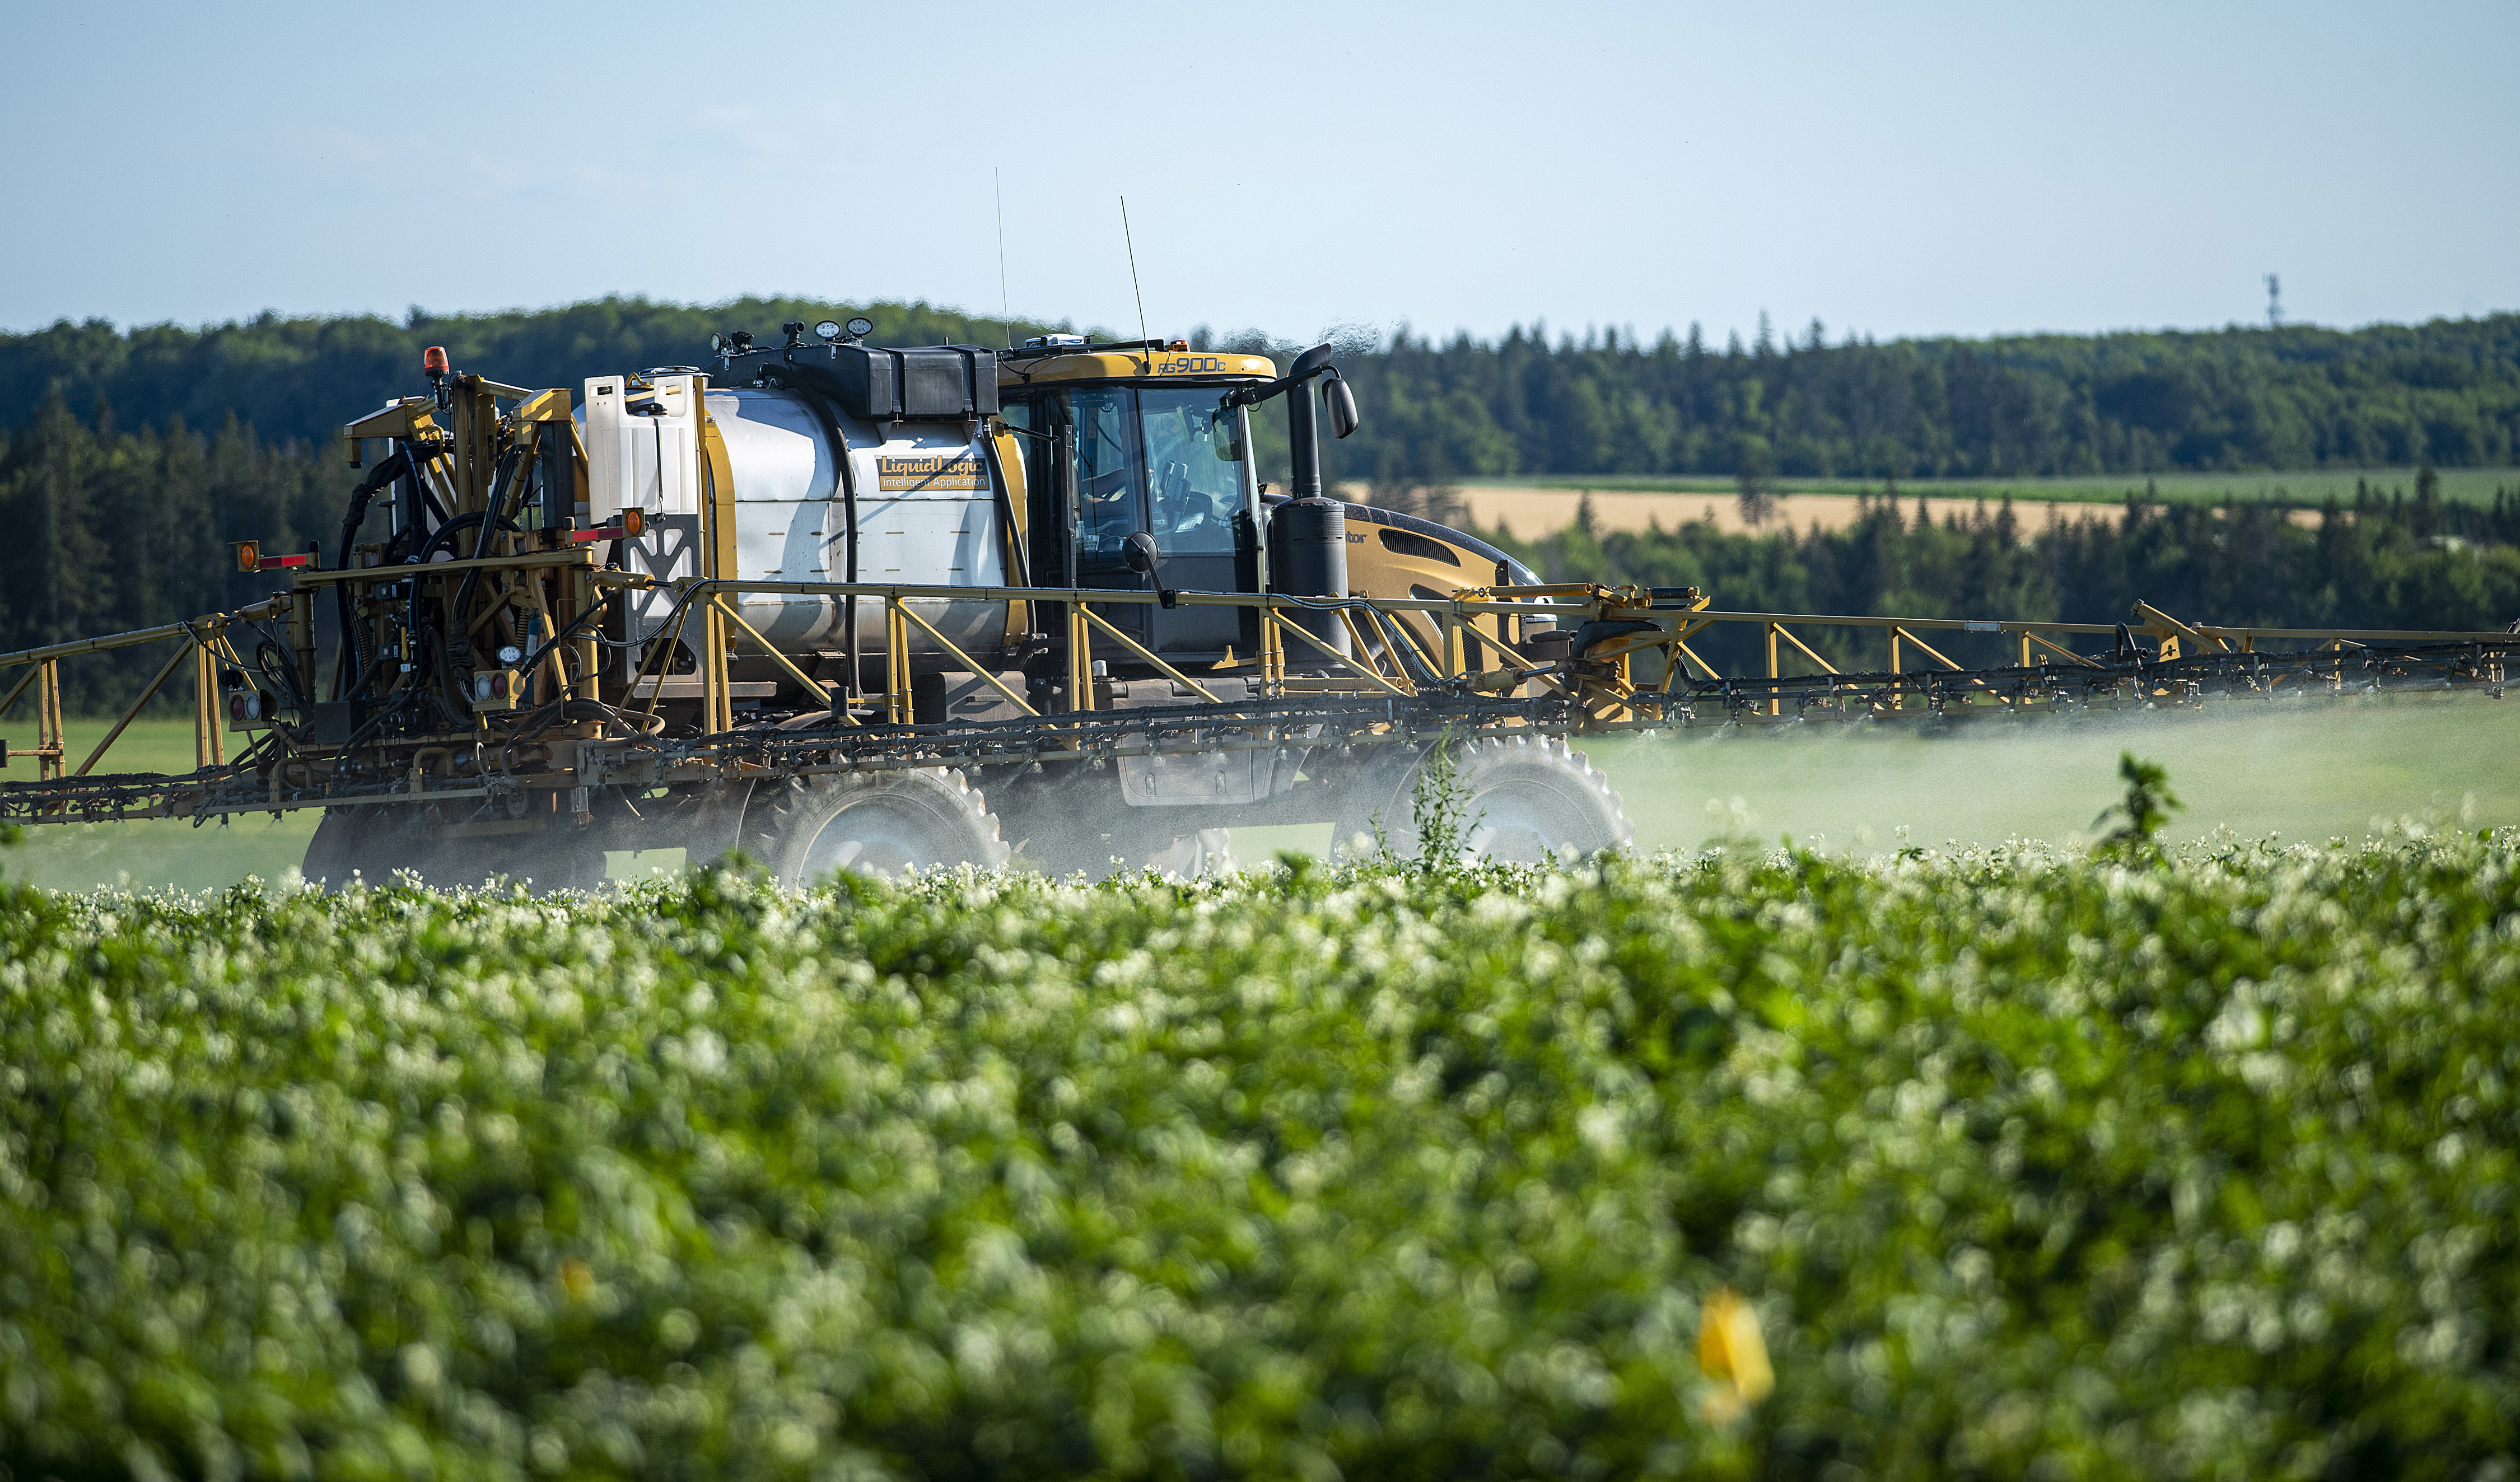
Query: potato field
(2029, 1163)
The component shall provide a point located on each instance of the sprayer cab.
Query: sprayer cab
(1140, 439)
(1139, 464)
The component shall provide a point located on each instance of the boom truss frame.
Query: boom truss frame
(1419, 668)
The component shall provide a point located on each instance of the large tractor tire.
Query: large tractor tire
(382, 845)
(880, 823)
(1526, 800)
(336, 852)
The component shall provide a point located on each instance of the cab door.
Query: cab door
(1108, 494)
(1193, 452)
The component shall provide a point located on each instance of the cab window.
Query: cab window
(1193, 468)
(1106, 465)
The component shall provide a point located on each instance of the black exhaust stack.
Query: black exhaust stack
(1308, 538)
(1303, 422)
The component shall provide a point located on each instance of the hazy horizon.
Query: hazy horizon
(1628, 331)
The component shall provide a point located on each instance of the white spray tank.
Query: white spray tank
(830, 451)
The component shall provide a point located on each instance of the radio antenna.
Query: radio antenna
(1133, 267)
(1006, 315)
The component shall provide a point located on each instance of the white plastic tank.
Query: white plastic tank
(928, 509)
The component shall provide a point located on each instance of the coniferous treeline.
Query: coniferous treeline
(2446, 392)
(112, 530)
(303, 379)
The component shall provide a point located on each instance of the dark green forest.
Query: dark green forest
(299, 380)
(2446, 392)
(130, 459)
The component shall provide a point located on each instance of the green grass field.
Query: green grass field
(2301, 487)
(2307, 773)
(153, 852)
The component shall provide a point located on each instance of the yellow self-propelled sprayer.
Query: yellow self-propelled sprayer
(820, 599)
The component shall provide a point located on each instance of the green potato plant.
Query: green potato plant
(2024, 1163)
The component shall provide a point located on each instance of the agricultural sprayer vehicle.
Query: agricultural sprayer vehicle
(838, 605)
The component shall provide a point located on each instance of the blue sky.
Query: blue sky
(1894, 170)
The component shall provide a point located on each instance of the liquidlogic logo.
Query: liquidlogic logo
(926, 472)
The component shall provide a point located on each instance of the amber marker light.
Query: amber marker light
(250, 557)
(629, 524)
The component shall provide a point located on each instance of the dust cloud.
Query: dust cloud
(2303, 770)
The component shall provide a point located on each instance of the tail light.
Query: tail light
(496, 690)
(248, 708)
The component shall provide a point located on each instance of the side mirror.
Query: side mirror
(1140, 552)
(1343, 404)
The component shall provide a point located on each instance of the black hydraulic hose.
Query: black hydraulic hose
(1022, 559)
(373, 723)
(502, 480)
(415, 489)
(417, 497)
(534, 661)
(444, 533)
(441, 656)
(830, 417)
(1402, 651)
(543, 718)
(272, 661)
(386, 473)
(371, 660)
(849, 562)
(353, 633)
(595, 710)
(472, 579)
(452, 702)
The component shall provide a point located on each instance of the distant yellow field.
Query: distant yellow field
(1533, 512)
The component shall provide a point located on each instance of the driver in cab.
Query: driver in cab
(1181, 439)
